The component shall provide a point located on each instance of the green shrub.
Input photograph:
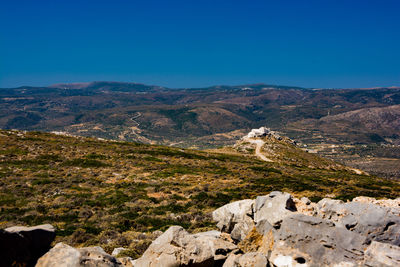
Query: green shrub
(85, 163)
(265, 169)
(177, 169)
(91, 229)
(95, 156)
(41, 182)
(67, 231)
(151, 158)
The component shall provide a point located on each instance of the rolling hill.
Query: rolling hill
(209, 117)
(109, 193)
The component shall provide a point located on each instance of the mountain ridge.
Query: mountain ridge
(74, 85)
(202, 117)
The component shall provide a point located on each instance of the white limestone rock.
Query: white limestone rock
(235, 218)
(176, 247)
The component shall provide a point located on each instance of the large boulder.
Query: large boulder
(310, 240)
(23, 246)
(382, 254)
(273, 230)
(235, 218)
(62, 255)
(375, 222)
(273, 208)
(176, 247)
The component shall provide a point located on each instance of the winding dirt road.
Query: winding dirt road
(259, 143)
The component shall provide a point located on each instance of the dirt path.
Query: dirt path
(259, 143)
(137, 115)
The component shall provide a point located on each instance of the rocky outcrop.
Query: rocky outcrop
(273, 208)
(62, 255)
(373, 221)
(316, 241)
(176, 247)
(275, 230)
(279, 230)
(23, 246)
(235, 218)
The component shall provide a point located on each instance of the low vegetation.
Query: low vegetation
(109, 193)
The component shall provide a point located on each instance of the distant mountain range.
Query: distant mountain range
(192, 116)
(208, 117)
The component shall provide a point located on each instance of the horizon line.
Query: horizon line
(55, 85)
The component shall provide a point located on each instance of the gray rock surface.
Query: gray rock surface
(62, 255)
(382, 254)
(273, 230)
(235, 218)
(263, 227)
(176, 247)
(24, 229)
(298, 232)
(23, 246)
(318, 241)
(376, 223)
(273, 207)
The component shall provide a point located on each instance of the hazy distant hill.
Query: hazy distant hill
(165, 115)
(384, 121)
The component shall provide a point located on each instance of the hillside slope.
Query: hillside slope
(367, 124)
(270, 146)
(106, 192)
(216, 116)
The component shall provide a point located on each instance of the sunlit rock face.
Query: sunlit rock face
(280, 230)
(272, 230)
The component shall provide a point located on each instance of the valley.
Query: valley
(348, 125)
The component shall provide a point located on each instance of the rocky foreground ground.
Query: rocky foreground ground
(272, 230)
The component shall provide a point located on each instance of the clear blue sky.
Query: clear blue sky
(321, 43)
